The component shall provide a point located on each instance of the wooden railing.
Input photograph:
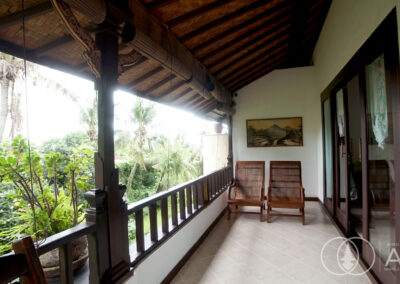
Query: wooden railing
(63, 241)
(176, 207)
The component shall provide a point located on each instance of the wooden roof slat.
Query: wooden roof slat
(263, 39)
(223, 19)
(210, 108)
(274, 12)
(266, 64)
(261, 72)
(203, 105)
(29, 13)
(247, 57)
(262, 59)
(159, 84)
(159, 3)
(180, 95)
(53, 44)
(172, 89)
(181, 19)
(145, 77)
(193, 100)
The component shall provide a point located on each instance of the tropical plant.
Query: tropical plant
(45, 206)
(175, 161)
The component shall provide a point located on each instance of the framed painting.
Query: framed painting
(274, 132)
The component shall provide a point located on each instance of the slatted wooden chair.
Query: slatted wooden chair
(285, 188)
(247, 188)
(24, 264)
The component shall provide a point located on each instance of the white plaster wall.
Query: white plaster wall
(157, 266)
(348, 25)
(215, 152)
(282, 93)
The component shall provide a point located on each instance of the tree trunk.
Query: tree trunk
(15, 112)
(131, 176)
(5, 83)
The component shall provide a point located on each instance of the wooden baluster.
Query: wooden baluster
(66, 269)
(200, 193)
(139, 231)
(153, 222)
(195, 197)
(206, 190)
(164, 215)
(211, 185)
(174, 210)
(189, 199)
(182, 209)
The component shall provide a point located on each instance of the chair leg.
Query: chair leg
(261, 213)
(268, 211)
(303, 216)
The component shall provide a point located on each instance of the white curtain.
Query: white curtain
(340, 112)
(377, 100)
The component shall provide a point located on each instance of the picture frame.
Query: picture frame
(275, 132)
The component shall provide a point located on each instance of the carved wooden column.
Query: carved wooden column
(109, 246)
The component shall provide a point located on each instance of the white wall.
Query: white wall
(157, 266)
(215, 152)
(348, 25)
(282, 93)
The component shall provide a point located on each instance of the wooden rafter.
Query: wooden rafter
(180, 95)
(263, 61)
(275, 13)
(261, 72)
(159, 3)
(172, 89)
(159, 84)
(223, 19)
(193, 100)
(145, 77)
(246, 59)
(181, 19)
(254, 44)
(29, 13)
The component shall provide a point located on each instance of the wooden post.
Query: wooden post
(230, 153)
(110, 244)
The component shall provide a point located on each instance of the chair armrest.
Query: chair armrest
(232, 185)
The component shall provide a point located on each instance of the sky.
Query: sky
(52, 114)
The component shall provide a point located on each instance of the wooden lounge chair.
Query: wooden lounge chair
(285, 188)
(24, 264)
(247, 188)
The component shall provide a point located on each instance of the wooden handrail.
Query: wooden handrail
(186, 201)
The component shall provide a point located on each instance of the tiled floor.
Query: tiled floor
(244, 250)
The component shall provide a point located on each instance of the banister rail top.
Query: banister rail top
(156, 197)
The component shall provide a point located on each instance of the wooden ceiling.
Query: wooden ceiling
(237, 40)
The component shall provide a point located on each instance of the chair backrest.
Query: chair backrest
(250, 176)
(285, 179)
(24, 264)
(379, 182)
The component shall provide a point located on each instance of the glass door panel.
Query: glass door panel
(341, 156)
(354, 157)
(381, 166)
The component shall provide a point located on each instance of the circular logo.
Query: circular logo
(340, 256)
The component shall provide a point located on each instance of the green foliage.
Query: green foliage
(47, 189)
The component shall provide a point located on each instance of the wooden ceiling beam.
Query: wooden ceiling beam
(223, 19)
(193, 100)
(272, 64)
(277, 12)
(261, 72)
(252, 45)
(298, 27)
(249, 57)
(145, 77)
(159, 84)
(210, 108)
(29, 13)
(154, 41)
(268, 58)
(203, 105)
(181, 19)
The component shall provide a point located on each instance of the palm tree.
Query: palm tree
(142, 115)
(175, 162)
(89, 120)
(10, 71)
